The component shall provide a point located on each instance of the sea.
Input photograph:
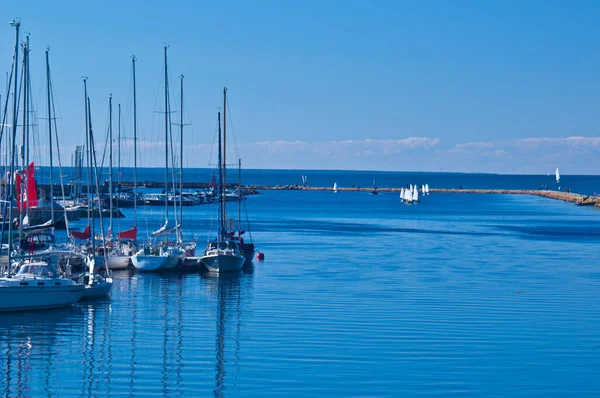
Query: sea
(465, 295)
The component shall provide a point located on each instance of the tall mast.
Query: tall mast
(87, 144)
(93, 233)
(94, 163)
(181, 157)
(28, 103)
(110, 165)
(24, 90)
(239, 197)
(50, 136)
(119, 150)
(220, 194)
(134, 147)
(166, 139)
(224, 153)
(23, 186)
(16, 24)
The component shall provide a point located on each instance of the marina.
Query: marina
(296, 200)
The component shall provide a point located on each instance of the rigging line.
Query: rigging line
(232, 128)
(60, 173)
(8, 89)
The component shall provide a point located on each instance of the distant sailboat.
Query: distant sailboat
(408, 196)
(335, 187)
(415, 195)
(557, 175)
(402, 194)
(427, 189)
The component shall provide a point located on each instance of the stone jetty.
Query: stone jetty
(581, 200)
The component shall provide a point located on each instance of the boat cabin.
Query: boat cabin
(38, 269)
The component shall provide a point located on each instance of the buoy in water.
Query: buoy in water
(260, 256)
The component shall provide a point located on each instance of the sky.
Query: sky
(464, 86)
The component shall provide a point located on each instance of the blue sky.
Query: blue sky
(486, 86)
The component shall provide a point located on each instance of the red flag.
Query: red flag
(82, 235)
(30, 198)
(129, 234)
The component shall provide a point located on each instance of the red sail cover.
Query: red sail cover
(30, 198)
(82, 235)
(129, 234)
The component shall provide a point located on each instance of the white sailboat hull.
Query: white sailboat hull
(119, 261)
(17, 297)
(223, 262)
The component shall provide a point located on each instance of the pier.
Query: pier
(582, 200)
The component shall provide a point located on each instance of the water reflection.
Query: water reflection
(227, 289)
(29, 340)
(152, 336)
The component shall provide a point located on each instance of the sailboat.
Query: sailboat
(415, 195)
(335, 187)
(408, 196)
(402, 194)
(374, 191)
(115, 256)
(36, 284)
(557, 176)
(224, 254)
(426, 189)
(161, 257)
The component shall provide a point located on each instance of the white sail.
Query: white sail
(422, 189)
(402, 194)
(416, 196)
(408, 196)
(163, 230)
(557, 175)
(335, 187)
(427, 189)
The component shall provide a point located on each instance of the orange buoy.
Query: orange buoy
(260, 256)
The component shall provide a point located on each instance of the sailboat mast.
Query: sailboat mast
(110, 165)
(87, 144)
(220, 194)
(22, 187)
(166, 139)
(181, 156)
(28, 103)
(239, 197)
(50, 136)
(24, 90)
(17, 25)
(134, 147)
(92, 234)
(224, 153)
(119, 149)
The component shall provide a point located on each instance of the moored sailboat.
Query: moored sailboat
(164, 256)
(223, 254)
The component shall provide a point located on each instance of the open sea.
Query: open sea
(359, 295)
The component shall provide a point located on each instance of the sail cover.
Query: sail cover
(82, 235)
(27, 186)
(129, 234)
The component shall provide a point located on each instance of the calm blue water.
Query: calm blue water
(584, 184)
(359, 295)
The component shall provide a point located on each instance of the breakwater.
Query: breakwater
(582, 200)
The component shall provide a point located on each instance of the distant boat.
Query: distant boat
(427, 189)
(335, 187)
(557, 175)
(408, 196)
(415, 195)
(374, 191)
(402, 194)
